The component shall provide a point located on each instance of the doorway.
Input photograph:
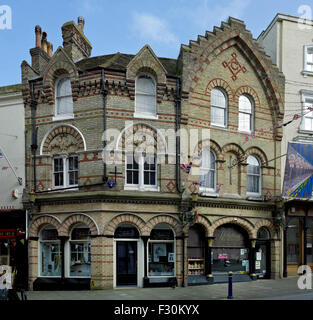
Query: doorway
(126, 263)
(263, 254)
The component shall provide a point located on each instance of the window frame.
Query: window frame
(249, 193)
(246, 113)
(146, 115)
(225, 125)
(205, 188)
(58, 242)
(305, 96)
(64, 116)
(305, 71)
(66, 171)
(141, 186)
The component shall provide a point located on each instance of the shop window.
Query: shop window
(80, 252)
(145, 99)
(161, 260)
(207, 170)
(309, 240)
(63, 98)
(141, 172)
(253, 176)
(230, 249)
(50, 255)
(218, 108)
(65, 171)
(245, 121)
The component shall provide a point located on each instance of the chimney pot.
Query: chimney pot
(38, 36)
(44, 43)
(81, 23)
(50, 48)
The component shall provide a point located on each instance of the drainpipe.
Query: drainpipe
(177, 127)
(34, 145)
(104, 93)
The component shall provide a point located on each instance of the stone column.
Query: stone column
(208, 259)
(33, 268)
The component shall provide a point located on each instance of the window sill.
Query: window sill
(305, 131)
(254, 197)
(216, 126)
(140, 188)
(208, 194)
(306, 73)
(63, 117)
(245, 132)
(145, 116)
(65, 189)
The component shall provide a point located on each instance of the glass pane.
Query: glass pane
(49, 234)
(135, 177)
(80, 259)
(218, 98)
(161, 259)
(50, 259)
(126, 232)
(293, 239)
(80, 234)
(218, 116)
(162, 234)
(244, 121)
(253, 184)
(64, 88)
(245, 104)
(146, 178)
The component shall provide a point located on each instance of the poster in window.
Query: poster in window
(171, 257)
(259, 256)
(159, 250)
(257, 265)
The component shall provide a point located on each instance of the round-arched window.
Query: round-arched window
(80, 251)
(161, 260)
(50, 254)
(253, 175)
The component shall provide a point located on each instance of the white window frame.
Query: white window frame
(40, 258)
(254, 194)
(305, 71)
(305, 96)
(57, 116)
(218, 107)
(204, 189)
(250, 114)
(146, 115)
(66, 171)
(141, 186)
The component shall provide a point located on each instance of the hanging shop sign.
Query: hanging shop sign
(7, 233)
(223, 256)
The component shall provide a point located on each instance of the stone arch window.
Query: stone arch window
(79, 247)
(207, 170)
(161, 249)
(50, 254)
(63, 98)
(145, 96)
(253, 176)
(246, 110)
(218, 107)
(263, 234)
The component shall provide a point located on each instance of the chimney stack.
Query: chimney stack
(42, 52)
(75, 43)
(50, 48)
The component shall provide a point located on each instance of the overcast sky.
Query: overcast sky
(127, 25)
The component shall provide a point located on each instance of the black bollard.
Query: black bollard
(230, 285)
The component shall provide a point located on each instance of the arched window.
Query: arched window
(207, 169)
(161, 261)
(80, 251)
(50, 253)
(63, 97)
(253, 175)
(145, 96)
(218, 108)
(245, 114)
(263, 234)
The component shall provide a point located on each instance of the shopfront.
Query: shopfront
(13, 245)
(230, 250)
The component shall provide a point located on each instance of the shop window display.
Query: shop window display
(161, 261)
(80, 252)
(293, 239)
(50, 253)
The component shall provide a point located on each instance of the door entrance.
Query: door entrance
(263, 259)
(126, 263)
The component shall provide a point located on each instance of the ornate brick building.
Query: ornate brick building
(133, 215)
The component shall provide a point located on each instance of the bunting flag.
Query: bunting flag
(186, 168)
(1, 155)
(111, 183)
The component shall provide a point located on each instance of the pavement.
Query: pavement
(280, 289)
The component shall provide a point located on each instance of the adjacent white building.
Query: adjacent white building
(288, 40)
